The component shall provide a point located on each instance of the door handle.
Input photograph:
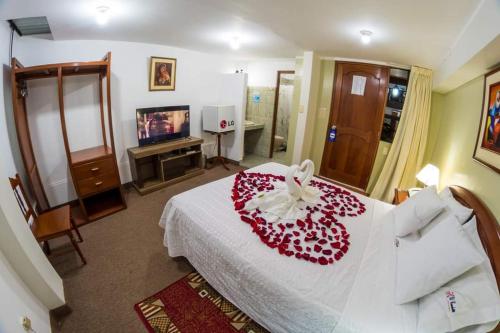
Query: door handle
(332, 134)
(94, 169)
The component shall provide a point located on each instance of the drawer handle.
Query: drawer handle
(98, 183)
(94, 169)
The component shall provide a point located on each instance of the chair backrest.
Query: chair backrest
(23, 201)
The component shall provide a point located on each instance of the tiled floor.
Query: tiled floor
(252, 160)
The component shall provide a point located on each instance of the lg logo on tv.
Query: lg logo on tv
(225, 123)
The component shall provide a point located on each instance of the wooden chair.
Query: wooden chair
(50, 224)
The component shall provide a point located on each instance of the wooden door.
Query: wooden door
(358, 117)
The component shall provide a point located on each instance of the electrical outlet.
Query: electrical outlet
(26, 323)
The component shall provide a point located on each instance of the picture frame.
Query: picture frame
(162, 74)
(487, 149)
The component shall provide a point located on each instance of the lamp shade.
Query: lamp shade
(429, 175)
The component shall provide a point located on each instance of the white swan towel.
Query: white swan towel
(287, 202)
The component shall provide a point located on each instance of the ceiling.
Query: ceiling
(404, 31)
(484, 61)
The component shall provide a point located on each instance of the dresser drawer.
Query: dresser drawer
(98, 183)
(94, 169)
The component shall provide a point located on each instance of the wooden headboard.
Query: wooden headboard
(487, 226)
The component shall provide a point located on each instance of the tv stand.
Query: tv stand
(157, 166)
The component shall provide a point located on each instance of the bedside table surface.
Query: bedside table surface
(400, 196)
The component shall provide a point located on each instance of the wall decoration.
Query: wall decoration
(162, 74)
(487, 149)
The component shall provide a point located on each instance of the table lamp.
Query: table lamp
(429, 175)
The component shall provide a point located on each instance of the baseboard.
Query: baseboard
(228, 160)
(128, 185)
(58, 315)
(349, 187)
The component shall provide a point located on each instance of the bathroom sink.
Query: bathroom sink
(251, 126)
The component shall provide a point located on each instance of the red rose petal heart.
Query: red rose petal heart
(319, 227)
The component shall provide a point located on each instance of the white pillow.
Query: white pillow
(453, 207)
(476, 297)
(418, 210)
(441, 255)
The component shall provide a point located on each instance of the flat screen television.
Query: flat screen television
(161, 124)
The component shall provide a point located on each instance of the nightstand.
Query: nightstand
(400, 196)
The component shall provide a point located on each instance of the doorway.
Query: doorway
(267, 121)
(356, 118)
(283, 100)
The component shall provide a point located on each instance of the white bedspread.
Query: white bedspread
(282, 293)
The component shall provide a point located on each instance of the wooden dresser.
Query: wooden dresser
(97, 181)
(94, 170)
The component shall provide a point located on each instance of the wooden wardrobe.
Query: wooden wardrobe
(94, 170)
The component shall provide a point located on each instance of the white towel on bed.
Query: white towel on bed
(287, 201)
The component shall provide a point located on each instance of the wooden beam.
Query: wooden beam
(101, 109)
(61, 112)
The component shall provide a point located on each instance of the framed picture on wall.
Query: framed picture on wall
(487, 149)
(162, 73)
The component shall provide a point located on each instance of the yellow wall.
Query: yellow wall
(452, 137)
(327, 68)
(295, 110)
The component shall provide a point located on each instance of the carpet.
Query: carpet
(126, 262)
(191, 305)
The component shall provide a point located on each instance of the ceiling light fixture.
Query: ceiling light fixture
(235, 43)
(102, 15)
(366, 36)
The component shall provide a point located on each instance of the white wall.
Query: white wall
(201, 80)
(481, 29)
(28, 283)
(307, 106)
(18, 301)
(7, 136)
(24, 253)
(262, 73)
(198, 82)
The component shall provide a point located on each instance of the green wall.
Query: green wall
(452, 136)
(327, 68)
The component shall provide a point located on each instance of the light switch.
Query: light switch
(385, 151)
(301, 108)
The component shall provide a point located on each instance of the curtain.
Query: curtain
(407, 151)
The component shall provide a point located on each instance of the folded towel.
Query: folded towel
(287, 202)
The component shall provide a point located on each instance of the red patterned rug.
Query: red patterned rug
(191, 305)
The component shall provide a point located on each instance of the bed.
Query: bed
(286, 295)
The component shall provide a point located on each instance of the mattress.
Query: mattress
(282, 293)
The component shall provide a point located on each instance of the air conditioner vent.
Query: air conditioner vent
(27, 26)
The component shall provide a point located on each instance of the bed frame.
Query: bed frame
(487, 228)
